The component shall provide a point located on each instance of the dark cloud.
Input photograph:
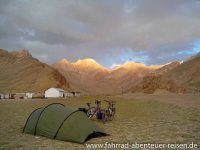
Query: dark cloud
(112, 32)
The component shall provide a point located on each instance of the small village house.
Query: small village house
(72, 94)
(38, 95)
(12, 96)
(54, 93)
(7, 96)
(20, 96)
(2, 96)
(69, 94)
(29, 95)
(77, 94)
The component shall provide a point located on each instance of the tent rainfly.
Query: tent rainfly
(56, 121)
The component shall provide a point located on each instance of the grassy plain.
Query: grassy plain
(139, 118)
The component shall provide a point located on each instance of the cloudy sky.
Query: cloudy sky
(109, 31)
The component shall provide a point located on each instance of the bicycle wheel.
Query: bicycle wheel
(105, 116)
(113, 114)
(90, 112)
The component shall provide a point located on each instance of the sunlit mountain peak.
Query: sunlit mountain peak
(86, 61)
(128, 65)
(132, 65)
(64, 61)
(89, 63)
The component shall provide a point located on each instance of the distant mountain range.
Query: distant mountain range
(90, 77)
(21, 72)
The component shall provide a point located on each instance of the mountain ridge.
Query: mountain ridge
(20, 72)
(90, 61)
(94, 78)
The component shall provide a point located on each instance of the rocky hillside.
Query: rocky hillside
(166, 68)
(20, 72)
(174, 77)
(188, 73)
(150, 84)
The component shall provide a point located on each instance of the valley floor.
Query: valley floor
(141, 118)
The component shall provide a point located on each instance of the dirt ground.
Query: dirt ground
(157, 118)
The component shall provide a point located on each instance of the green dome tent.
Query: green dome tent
(56, 121)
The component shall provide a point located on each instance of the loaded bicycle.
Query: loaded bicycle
(110, 111)
(98, 112)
